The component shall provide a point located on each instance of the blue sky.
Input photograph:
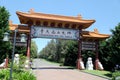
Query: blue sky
(105, 12)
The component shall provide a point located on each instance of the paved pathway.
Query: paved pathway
(48, 71)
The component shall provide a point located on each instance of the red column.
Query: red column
(29, 42)
(28, 46)
(96, 51)
(78, 65)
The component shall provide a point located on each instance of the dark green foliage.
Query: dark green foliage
(71, 55)
(105, 55)
(21, 50)
(34, 49)
(115, 45)
(116, 75)
(4, 74)
(5, 47)
(110, 50)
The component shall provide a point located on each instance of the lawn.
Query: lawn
(106, 74)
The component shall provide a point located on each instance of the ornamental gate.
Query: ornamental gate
(42, 25)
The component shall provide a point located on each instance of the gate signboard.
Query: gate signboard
(49, 32)
(18, 42)
(88, 45)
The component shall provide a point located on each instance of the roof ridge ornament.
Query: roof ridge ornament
(10, 22)
(31, 10)
(96, 30)
(79, 16)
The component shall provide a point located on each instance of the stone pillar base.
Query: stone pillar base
(80, 64)
(98, 65)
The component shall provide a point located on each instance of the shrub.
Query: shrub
(17, 75)
(116, 75)
(4, 74)
(22, 61)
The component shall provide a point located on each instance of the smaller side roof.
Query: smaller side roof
(85, 34)
(94, 35)
(21, 28)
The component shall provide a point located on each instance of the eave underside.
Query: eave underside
(86, 35)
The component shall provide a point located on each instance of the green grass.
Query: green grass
(106, 74)
(51, 62)
(58, 64)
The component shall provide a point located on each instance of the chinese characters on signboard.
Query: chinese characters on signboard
(18, 42)
(48, 32)
(88, 45)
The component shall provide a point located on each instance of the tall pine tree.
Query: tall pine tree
(115, 45)
(4, 21)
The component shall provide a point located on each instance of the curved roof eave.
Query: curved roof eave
(87, 34)
(68, 19)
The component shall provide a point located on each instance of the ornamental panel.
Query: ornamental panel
(49, 32)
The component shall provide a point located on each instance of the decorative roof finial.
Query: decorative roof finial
(10, 22)
(96, 30)
(31, 10)
(79, 16)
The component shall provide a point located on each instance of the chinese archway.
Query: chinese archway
(85, 38)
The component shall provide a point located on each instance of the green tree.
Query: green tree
(110, 49)
(5, 47)
(105, 54)
(58, 50)
(49, 52)
(63, 51)
(71, 53)
(34, 49)
(115, 45)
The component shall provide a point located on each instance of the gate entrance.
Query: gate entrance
(42, 25)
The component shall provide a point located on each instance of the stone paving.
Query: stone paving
(48, 71)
